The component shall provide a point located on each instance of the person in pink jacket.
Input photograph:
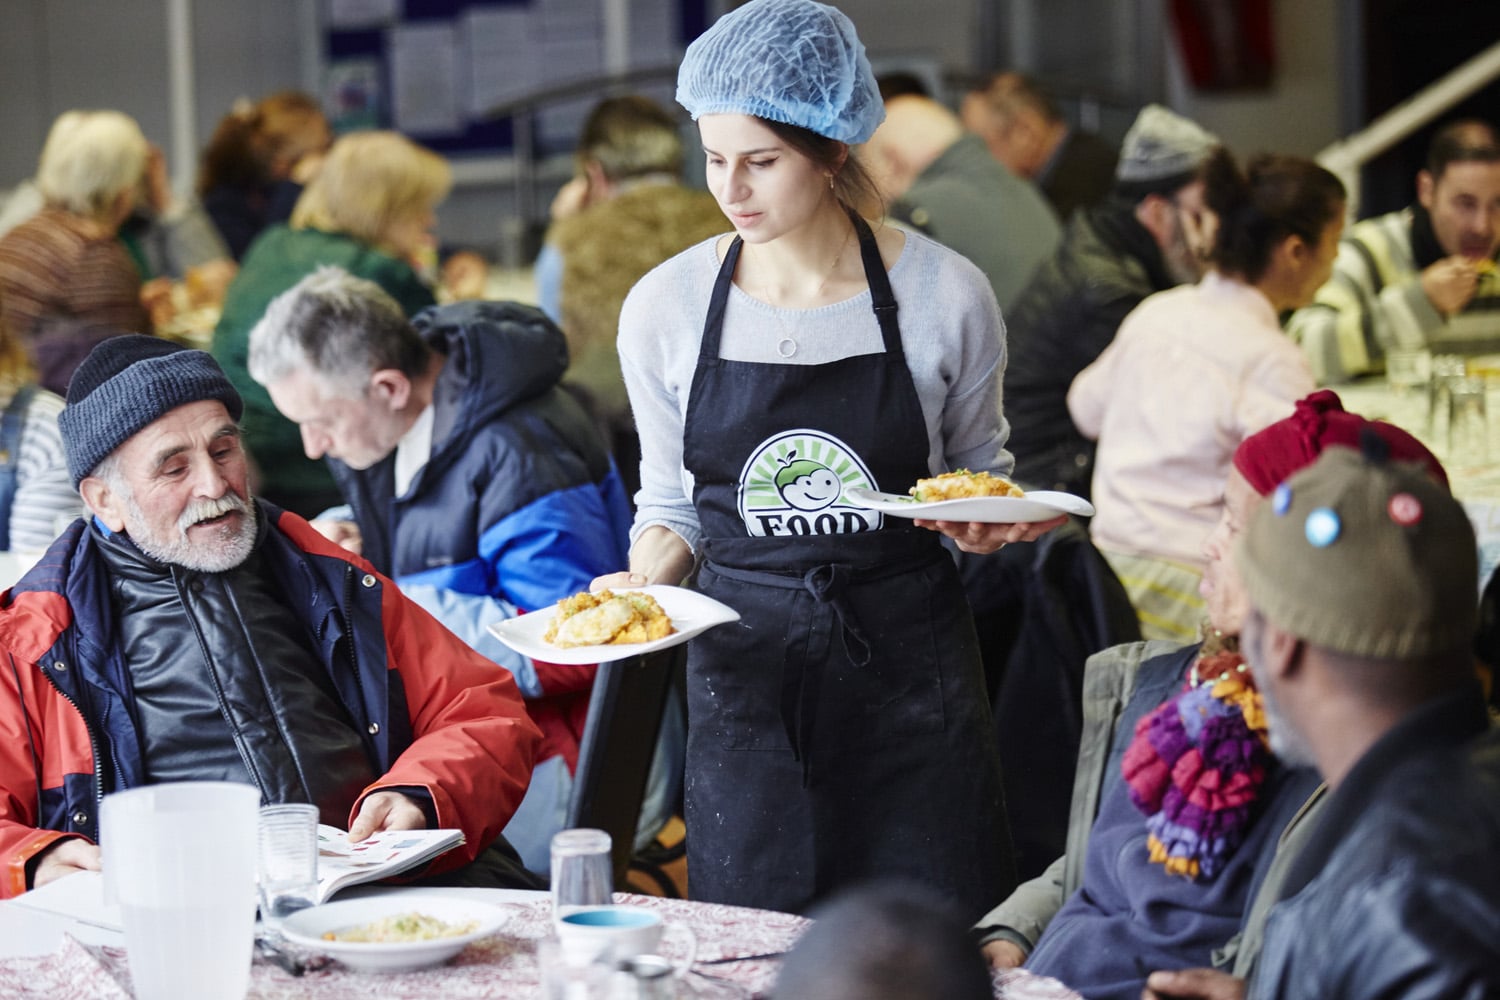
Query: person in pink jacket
(1195, 370)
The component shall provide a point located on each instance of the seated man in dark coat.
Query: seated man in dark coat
(1361, 580)
(1142, 239)
(187, 631)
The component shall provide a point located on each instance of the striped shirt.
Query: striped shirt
(45, 500)
(57, 265)
(1374, 303)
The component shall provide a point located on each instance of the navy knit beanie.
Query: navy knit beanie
(127, 382)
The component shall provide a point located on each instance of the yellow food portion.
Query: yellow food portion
(961, 485)
(607, 619)
(1484, 265)
(401, 927)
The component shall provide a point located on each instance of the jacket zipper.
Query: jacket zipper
(88, 727)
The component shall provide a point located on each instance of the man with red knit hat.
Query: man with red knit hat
(1179, 805)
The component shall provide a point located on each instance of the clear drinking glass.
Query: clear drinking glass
(1468, 422)
(287, 861)
(582, 871)
(1445, 368)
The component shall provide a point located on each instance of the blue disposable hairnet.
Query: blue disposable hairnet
(792, 61)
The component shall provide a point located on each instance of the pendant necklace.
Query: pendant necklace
(787, 345)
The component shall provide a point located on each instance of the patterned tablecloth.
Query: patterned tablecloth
(501, 966)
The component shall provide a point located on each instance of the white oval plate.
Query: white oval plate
(307, 927)
(690, 611)
(1039, 505)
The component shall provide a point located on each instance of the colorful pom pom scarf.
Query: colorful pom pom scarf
(1197, 764)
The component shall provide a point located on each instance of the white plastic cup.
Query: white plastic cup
(582, 870)
(287, 861)
(179, 859)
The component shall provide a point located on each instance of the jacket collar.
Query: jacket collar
(1450, 720)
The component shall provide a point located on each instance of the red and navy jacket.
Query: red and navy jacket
(433, 713)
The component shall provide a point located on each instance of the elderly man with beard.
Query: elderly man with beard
(1179, 831)
(1360, 576)
(188, 632)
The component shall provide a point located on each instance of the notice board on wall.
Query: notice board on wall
(435, 69)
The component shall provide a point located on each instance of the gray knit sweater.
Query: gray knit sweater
(950, 329)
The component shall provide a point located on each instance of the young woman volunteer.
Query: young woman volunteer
(840, 730)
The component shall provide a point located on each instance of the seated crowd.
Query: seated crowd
(270, 548)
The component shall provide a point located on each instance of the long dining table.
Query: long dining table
(65, 950)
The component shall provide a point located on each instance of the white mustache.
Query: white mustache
(205, 510)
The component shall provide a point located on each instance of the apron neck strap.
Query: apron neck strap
(882, 299)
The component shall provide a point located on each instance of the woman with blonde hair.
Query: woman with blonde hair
(369, 211)
(63, 275)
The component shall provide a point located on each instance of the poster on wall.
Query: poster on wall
(352, 95)
(438, 69)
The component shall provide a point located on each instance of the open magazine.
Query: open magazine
(390, 852)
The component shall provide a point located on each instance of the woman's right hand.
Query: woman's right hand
(659, 555)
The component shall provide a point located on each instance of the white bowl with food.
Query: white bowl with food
(395, 933)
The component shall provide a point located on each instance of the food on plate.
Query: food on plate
(962, 484)
(401, 927)
(607, 619)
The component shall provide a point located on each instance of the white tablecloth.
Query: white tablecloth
(53, 958)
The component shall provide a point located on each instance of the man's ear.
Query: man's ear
(1426, 185)
(1281, 651)
(102, 502)
(391, 387)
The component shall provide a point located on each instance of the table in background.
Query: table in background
(1476, 482)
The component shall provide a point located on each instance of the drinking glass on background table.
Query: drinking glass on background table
(179, 859)
(1409, 374)
(287, 861)
(1445, 368)
(1468, 422)
(582, 870)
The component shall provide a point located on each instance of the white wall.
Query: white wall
(57, 54)
(61, 54)
(1299, 114)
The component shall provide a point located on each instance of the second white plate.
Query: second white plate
(1039, 505)
(307, 927)
(690, 611)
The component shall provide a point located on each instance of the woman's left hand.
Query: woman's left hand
(982, 538)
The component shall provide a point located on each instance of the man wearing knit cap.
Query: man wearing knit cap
(189, 632)
(1360, 574)
(1145, 237)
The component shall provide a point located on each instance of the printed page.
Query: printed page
(390, 852)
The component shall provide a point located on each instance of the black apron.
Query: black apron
(840, 730)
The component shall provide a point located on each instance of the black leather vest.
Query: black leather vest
(228, 686)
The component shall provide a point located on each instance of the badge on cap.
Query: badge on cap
(1281, 499)
(1404, 509)
(1322, 527)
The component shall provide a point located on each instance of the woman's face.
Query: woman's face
(411, 235)
(1223, 593)
(1319, 264)
(765, 187)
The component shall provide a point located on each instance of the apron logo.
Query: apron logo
(794, 484)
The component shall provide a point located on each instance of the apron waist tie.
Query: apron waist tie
(828, 585)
